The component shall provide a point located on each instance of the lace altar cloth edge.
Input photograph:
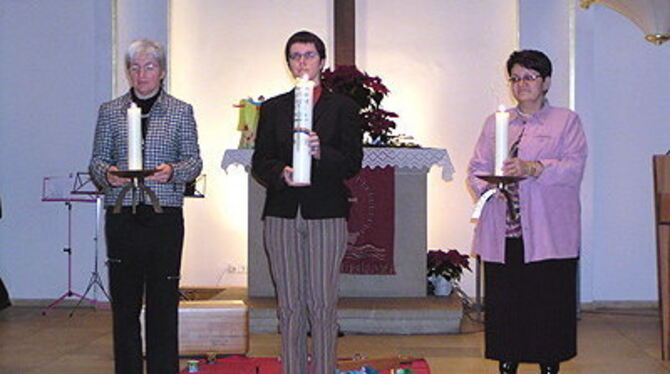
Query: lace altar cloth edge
(415, 158)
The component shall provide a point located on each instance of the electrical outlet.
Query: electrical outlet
(236, 268)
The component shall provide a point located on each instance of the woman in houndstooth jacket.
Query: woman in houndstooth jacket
(144, 248)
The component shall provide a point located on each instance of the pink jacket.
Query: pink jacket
(550, 207)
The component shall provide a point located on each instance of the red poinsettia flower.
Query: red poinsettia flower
(368, 93)
(447, 264)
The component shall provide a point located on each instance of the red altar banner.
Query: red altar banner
(371, 223)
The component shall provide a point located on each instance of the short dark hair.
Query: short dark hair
(306, 37)
(530, 59)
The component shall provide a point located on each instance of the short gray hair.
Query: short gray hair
(150, 47)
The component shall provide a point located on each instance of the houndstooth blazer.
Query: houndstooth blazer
(171, 138)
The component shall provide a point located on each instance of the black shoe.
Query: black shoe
(508, 367)
(549, 368)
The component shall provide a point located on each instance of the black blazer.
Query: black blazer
(338, 125)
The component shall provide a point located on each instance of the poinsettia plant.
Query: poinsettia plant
(367, 92)
(448, 264)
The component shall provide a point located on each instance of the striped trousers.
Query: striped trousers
(305, 257)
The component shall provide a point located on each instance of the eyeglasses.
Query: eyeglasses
(307, 55)
(526, 78)
(148, 68)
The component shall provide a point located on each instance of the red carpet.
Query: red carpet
(270, 365)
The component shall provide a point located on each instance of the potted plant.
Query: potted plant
(368, 93)
(444, 269)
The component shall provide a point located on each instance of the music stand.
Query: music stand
(196, 188)
(59, 189)
(83, 185)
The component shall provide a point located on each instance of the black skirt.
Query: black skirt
(531, 309)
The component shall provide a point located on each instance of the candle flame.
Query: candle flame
(501, 108)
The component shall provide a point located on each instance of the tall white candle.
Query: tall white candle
(502, 121)
(134, 138)
(302, 122)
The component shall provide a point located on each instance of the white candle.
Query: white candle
(134, 138)
(502, 121)
(302, 122)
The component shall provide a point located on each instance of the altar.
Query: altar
(410, 167)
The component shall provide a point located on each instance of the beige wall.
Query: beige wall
(222, 51)
(441, 86)
(442, 60)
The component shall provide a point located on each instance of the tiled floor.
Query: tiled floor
(609, 343)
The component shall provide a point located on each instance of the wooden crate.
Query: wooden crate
(212, 327)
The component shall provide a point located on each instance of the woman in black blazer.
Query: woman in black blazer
(305, 229)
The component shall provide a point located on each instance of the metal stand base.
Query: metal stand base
(136, 185)
(68, 250)
(92, 283)
(95, 276)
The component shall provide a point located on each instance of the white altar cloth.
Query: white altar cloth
(373, 157)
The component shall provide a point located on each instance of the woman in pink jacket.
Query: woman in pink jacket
(530, 240)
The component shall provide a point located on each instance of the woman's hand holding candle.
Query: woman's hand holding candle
(287, 176)
(517, 167)
(162, 175)
(314, 145)
(115, 180)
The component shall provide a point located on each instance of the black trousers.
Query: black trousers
(531, 309)
(144, 253)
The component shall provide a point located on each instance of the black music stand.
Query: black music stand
(59, 189)
(196, 188)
